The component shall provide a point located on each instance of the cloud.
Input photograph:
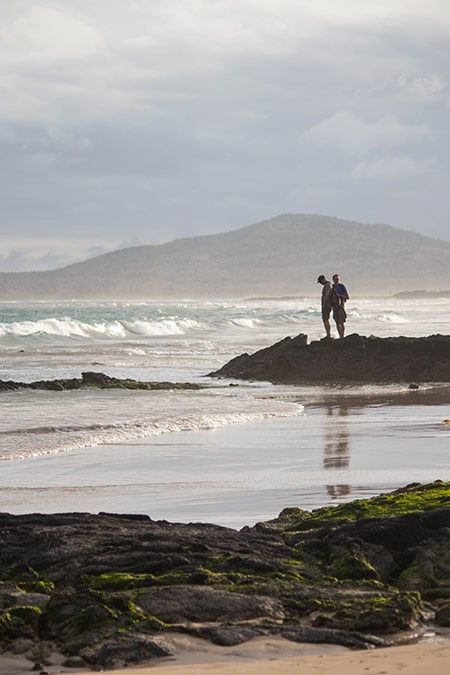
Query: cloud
(144, 120)
(346, 132)
(43, 34)
(423, 88)
(392, 168)
(46, 54)
(67, 63)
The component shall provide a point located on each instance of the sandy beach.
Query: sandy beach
(412, 659)
(351, 445)
(229, 456)
(267, 656)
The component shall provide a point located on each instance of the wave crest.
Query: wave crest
(52, 439)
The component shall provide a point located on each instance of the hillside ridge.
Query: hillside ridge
(279, 256)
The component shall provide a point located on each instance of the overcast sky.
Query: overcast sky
(137, 122)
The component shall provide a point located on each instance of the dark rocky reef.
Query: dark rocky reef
(110, 589)
(94, 381)
(353, 359)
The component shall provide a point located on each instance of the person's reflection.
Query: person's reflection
(336, 449)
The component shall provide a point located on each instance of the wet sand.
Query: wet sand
(342, 445)
(268, 656)
(413, 660)
(337, 453)
(433, 394)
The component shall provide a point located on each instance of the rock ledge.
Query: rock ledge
(353, 359)
(108, 590)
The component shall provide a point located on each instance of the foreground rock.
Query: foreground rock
(94, 381)
(353, 359)
(110, 589)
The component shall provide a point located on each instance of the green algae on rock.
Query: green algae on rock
(412, 498)
(111, 588)
(94, 380)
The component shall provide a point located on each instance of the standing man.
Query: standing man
(326, 303)
(339, 313)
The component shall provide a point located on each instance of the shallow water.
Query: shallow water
(232, 455)
(237, 475)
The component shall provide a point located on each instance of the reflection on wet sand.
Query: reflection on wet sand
(336, 446)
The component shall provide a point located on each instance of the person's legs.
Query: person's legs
(326, 321)
(339, 316)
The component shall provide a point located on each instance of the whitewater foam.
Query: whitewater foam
(152, 341)
(53, 439)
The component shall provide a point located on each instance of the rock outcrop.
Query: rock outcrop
(94, 381)
(110, 589)
(353, 359)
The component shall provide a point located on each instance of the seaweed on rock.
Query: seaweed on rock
(336, 574)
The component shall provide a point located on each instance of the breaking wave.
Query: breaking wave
(68, 327)
(391, 318)
(53, 439)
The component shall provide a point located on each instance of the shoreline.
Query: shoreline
(332, 449)
(263, 656)
(432, 659)
(286, 658)
(164, 595)
(428, 394)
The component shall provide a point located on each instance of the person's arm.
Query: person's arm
(341, 291)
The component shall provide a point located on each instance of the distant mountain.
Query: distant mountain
(277, 257)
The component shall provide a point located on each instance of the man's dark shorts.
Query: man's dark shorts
(326, 311)
(339, 314)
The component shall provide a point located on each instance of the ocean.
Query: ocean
(225, 454)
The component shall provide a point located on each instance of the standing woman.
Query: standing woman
(339, 313)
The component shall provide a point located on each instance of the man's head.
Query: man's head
(321, 279)
(335, 278)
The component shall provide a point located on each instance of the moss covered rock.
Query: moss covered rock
(109, 587)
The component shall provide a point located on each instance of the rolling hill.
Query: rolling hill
(277, 257)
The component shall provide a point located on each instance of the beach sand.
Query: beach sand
(411, 659)
(264, 656)
(347, 446)
(432, 394)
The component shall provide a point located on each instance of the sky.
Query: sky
(139, 122)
